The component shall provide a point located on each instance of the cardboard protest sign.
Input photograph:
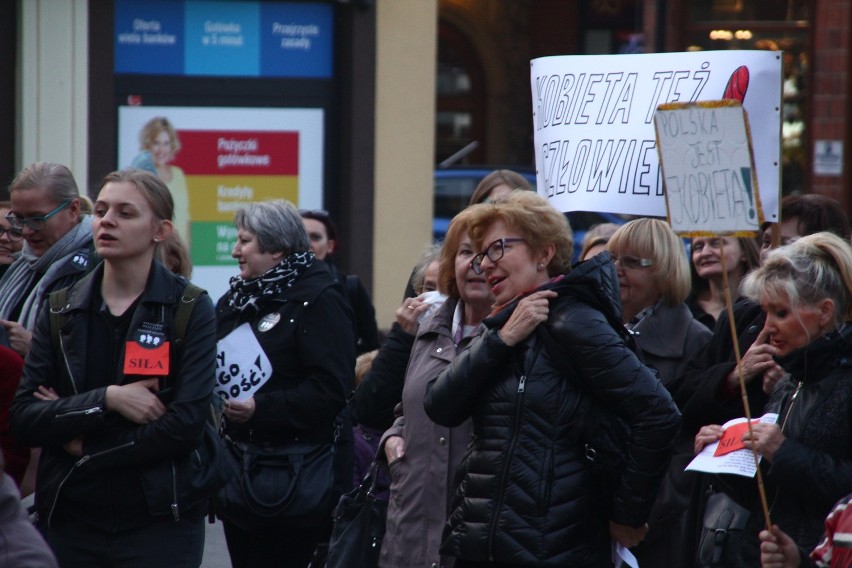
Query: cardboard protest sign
(708, 169)
(595, 146)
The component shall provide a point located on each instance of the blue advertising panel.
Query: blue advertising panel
(149, 37)
(296, 40)
(224, 38)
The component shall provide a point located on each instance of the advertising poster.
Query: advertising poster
(227, 157)
(593, 117)
(224, 38)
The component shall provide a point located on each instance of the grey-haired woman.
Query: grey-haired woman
(301, 323)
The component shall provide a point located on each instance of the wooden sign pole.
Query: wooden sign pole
(744, 395)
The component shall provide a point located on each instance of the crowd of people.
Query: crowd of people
(524, 409)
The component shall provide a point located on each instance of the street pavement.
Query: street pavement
(215, 549)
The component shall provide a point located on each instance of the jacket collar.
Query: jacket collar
(160, 288)
(441, 322)
(592, 282)
(664, 318)
(813, 361)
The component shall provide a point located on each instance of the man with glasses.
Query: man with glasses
(11, 240)
(57, 251)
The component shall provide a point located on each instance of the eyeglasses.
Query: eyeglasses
(11, 234)
(34, 223)
(494, 252)
(632, 262)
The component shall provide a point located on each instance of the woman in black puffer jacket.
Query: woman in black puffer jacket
(525, 495)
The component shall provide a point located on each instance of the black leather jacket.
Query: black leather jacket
(142, 457)
(524, 492)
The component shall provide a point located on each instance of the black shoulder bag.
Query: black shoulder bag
(359, 526)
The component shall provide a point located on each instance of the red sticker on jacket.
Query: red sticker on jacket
(732, 439)
(145, 360)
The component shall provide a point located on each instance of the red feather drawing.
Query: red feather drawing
(737, 84)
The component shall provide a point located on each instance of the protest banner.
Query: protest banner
(595, 147)
(708, 169)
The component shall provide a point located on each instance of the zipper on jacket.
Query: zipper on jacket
(67, 365)
(783, 424)
(174, 506)
(84, 412)
(79, 463)
(790, 406)
(506, 464)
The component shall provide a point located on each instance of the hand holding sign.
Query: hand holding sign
(242, 367)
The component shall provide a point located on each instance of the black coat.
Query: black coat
(375, 399)
(812, 469)
(312, 352)
(524, 492)
(132, 461)
(698, 390)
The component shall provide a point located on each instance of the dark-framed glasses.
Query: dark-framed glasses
(11, 233)
(494, 252)
(632, 262)
(34, 223)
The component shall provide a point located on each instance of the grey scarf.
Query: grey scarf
(30, 276)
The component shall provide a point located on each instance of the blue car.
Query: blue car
(454, 186)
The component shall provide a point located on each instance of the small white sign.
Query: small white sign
(828, 157)
(738, 462)
(242, 367)
(708, 170)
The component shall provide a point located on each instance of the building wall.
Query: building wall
(52, 81)
(830, 113)
(406, 43)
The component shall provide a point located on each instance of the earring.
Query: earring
(540, 267)
(156, 240)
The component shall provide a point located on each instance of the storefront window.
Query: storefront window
(460, 92)
(776, 26)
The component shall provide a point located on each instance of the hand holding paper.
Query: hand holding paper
(736, 457)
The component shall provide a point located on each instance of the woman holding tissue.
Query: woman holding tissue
(283, 307)
(525, 493)
(120, 422)
(805, 288)
(414, 445)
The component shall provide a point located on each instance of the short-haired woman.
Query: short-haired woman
(117, 420)
(159, 138)
(418, 504)
(525, 494)
(653, 274)
(299, 320)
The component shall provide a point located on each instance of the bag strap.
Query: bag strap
(184, 311)
(351, 287)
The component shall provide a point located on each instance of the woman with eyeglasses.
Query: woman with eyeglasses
(654, 281)
(45, 208)
(11, 240)
(524, 493)
(417, 510)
